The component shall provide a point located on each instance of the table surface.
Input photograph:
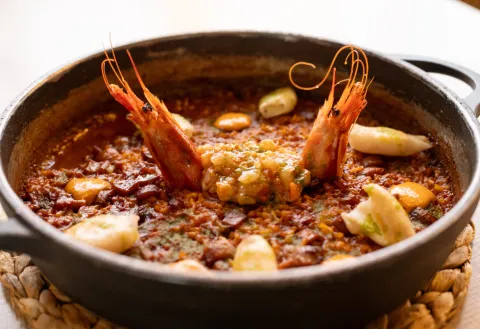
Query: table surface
(37, 36)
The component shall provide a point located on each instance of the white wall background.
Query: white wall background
(36, 36)
(39, 35)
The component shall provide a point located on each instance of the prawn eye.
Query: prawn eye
(334, 111)
(147, 107)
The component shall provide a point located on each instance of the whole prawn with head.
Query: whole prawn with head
(171, 149)
(326, 146)
(184, 166)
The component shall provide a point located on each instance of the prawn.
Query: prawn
(326, 146)
(173, 152)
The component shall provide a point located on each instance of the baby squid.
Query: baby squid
(254, 253)
(277, 102)
(381, 217)
(110, 232)
(386, 141)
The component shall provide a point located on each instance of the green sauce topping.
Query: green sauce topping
(369, 226)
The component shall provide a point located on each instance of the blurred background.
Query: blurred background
(40, 36)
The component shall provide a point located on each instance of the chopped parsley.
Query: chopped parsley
(369, 189)
(435, 211)
(318, 207)
(369, 226)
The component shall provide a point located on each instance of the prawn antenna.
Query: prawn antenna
(357, 57)
(116, 69)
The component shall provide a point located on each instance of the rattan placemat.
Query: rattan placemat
(41, 305)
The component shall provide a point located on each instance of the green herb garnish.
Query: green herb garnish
(369, 226)
(435, 211)
(318, 207)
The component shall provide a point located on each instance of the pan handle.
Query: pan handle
(14, 236)
(462, 73)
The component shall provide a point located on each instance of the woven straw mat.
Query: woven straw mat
(41, 305)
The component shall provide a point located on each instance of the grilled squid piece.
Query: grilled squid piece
(254, 253)
(110, 232)
(386, 141)
(277, 102)
(381, 217)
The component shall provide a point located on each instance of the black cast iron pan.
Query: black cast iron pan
(144, 295)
